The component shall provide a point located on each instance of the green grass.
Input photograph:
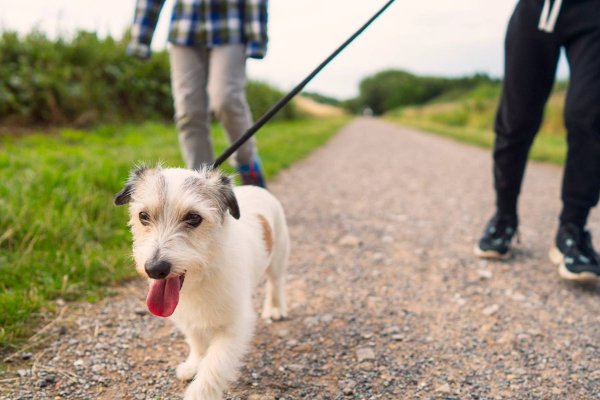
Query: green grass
(469, 117)
(60, 235)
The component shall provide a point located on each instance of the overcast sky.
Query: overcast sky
(442, 37)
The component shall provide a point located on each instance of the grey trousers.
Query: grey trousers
(210, 79)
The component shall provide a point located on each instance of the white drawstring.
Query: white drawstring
(548, 17)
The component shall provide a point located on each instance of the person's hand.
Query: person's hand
(139, 50)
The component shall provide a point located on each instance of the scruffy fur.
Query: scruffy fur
(243, 234)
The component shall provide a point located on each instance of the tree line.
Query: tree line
(392, 89)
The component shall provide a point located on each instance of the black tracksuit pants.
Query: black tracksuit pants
(531, 58)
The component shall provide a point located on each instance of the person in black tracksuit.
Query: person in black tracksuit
(537, 31)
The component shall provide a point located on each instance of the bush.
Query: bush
(80, 81)
(262, 97)
(87, 80)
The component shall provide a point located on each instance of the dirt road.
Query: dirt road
(386, 299)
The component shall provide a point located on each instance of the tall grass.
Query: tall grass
(61, 237)
(469, 117)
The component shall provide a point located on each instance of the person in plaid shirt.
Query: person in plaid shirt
(209, 43)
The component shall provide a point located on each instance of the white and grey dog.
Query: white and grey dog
(194, 226)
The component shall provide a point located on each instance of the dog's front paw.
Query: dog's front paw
(273, 314)
(186, 370)
(198, 390)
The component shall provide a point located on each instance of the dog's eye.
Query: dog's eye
(192, 219)
(144, 218)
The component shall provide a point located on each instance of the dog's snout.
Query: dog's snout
(157, 269)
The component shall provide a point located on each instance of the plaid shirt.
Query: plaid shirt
(203, 22)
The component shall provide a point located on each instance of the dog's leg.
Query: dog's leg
(220, 363)
(187, 369)
(274, 306)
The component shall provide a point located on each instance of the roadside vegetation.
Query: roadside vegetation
(469, 118)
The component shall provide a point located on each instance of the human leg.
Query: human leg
(227, 88)
(530, 65)
(531, 57)
(574, 251)
(581, 179)
(189, 73)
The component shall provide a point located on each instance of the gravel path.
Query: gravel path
(386, 299)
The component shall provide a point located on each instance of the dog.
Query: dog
(204, 245)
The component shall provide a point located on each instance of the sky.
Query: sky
(437, 37)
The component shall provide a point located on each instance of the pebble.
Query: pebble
(295, 367)
(390, 330)
(460, 301)
(365, 354)
(523, 337)
(491, 310)
(484, 274)
(348, 387)
(516, 296)
(378, 257)
(303, 348)
(387, 239)
(326, 318)
(23, 372)
(349, 241)
(97, 367)
(444, 388)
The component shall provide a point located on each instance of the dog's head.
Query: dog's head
(176, 216)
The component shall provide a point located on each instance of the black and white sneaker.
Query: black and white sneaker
(497, 237)
(575, 255)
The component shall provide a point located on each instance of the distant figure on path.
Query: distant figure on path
(536, 33)
(210, 40)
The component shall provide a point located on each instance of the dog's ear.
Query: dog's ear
(226, 191)
(124, 196)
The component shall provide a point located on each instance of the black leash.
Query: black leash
(279, 105)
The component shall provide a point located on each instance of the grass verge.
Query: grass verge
(547, 148)
(470, 119)
(60, 235)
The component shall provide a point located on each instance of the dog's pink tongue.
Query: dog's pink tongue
(163, 296)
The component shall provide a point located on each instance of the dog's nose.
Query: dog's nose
(157, 269)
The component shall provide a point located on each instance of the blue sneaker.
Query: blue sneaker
(251, 174)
